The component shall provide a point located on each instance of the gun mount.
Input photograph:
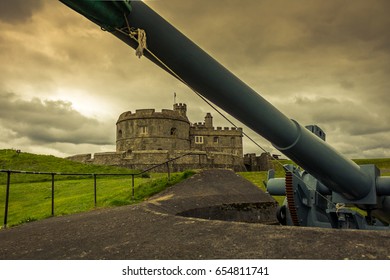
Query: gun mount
(315, 197)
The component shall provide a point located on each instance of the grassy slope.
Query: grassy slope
(30, 195)
(10, 160)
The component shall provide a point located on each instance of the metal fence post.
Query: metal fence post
(169, 172)
(7, 198)
(94, 188)
(132, 186)
(52, 194)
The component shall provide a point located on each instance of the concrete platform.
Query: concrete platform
(216, 195)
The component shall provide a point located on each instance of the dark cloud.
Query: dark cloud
(323, 62)
(353, 117)
(47, 121)
(18, 11)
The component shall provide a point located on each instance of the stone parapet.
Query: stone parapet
(151, 113)
(142, 160)
(84, 158)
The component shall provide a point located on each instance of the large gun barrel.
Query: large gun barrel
(174, 52)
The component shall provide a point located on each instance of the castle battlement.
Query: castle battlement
(178, 106)
(181, 108)
(152, 113)
(201, 126)
(145, 111)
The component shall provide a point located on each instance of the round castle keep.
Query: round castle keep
(147, 138)
(147, 129)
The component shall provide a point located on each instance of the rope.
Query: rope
(141, 37)
(141, 43)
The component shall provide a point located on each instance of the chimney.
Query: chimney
(208, 121)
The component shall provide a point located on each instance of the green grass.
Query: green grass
(11, 160)
(30, 195)
(382, 163)
(258, 178)
(32, 201)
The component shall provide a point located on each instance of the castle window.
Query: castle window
(120, 133)
(173, 131)
(198, 139)
(216, 140)
(143, 129)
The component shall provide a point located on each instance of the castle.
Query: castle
(146, 138)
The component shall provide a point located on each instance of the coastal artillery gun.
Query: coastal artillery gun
(317, 196)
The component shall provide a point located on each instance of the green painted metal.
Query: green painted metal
(107, 14)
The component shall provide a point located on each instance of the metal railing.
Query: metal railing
(94, 175)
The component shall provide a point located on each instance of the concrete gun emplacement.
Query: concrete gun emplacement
(330, 183)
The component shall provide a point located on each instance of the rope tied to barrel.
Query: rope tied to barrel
(138, 35)
(141, 38)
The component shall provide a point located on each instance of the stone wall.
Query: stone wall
(111, 158)
(84, 158)
(226, 140)
(258, 163)
(142, 160)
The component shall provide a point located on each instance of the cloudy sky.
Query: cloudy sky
(64, 82)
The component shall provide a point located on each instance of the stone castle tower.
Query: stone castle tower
(145, 138)
(171, 130)
(147, 129)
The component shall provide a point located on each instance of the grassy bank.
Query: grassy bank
(32, 201)
(11, 160)
(30, 195)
